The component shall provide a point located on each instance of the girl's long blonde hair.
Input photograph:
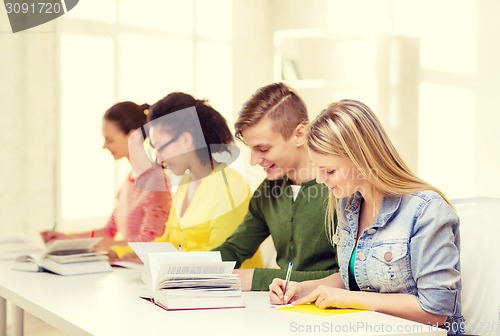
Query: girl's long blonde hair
(349, 128)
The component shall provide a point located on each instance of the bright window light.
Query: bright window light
(165, 15)
(151, 67)
(86, 170)
(94, 10)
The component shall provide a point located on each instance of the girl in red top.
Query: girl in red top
(143, 201)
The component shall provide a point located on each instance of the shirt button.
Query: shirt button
(388, 256)
(335, 239)
(371, 231)
(361, 256)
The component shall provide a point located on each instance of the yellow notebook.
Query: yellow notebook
(313, 309)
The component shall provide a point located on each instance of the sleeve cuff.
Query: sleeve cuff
(262, 278)
(438, 301)
(121, 250)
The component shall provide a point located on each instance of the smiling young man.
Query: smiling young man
(288, 205)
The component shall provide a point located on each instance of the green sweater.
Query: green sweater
(297, 228)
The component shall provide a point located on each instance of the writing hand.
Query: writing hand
(276, 291)
(49, 236)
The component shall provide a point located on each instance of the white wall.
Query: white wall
(436, 81)
(28, 118)
(252, 61)
(31, 99)
(487, 110)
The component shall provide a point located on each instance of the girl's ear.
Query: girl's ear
(186, 141)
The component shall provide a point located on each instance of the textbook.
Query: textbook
(14, 245)
(143, 249)
(191, 280)
(66, 257)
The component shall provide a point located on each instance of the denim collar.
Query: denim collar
(389, 206)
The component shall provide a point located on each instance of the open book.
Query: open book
(143, 249)
(192, 280)
(66, 257)
(13, 245)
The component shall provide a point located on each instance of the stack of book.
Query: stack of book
(191, 280)
(66, 257)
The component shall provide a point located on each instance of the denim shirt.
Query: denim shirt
(413, 247)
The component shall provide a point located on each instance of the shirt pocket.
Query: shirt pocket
(389, 266)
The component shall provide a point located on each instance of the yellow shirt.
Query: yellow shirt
(218, 206)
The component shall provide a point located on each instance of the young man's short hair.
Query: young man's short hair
(278, 102)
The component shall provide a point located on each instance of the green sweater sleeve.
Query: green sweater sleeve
(262, 277)
(247, 237)
(298, 231)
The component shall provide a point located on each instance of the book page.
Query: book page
(182, 257)
(143, 249)
(34, 257)
(64, 256)
(207, 282)
(77, 267)
(14, 245)
(197, 268)
(127, 264)
(12, 251)
(159, 263)
(78, 258)
(78, 244)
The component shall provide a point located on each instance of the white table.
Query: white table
(109, 304)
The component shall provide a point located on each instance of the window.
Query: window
(129, 50)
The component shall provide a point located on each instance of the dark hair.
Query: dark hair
(213, 125)
(277, 101)
(128, 115)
